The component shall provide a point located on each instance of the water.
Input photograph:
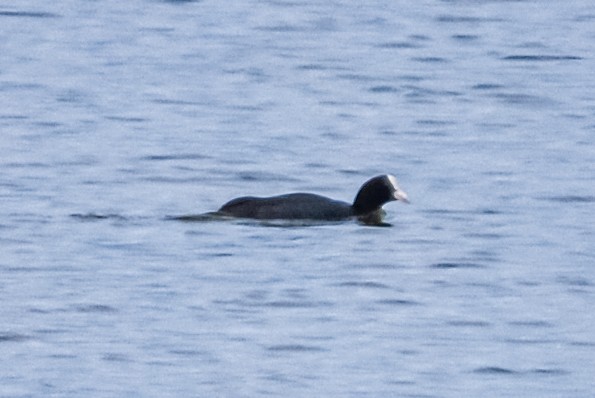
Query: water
(124, 113)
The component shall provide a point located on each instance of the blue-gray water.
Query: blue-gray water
(138, 110)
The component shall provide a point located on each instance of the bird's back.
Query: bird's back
(294, 206)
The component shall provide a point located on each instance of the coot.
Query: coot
(367, 206)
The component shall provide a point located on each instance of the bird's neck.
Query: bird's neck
(373, 217)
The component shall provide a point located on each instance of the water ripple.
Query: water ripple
(542, 58)
(523, 99)
(465, 19)
(97, 217)
(13, 337)
(295, 348)
(295, 304)
(494, 370)
(177, 156)
(364, 284)
(570, 198)
(181, 1)
(398, 302)
(497, 370)
(464, 323)
(463, 37)
(432, 60)
(554, 371)
(383, 89)
(532, 324)
(455, 265)
(487, 86)
(399, 44)
(95, 308)
(28, 14)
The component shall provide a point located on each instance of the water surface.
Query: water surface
(125, 113)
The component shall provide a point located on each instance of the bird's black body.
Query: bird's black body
(293, 206)
(367, 206)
